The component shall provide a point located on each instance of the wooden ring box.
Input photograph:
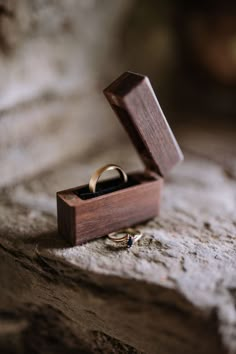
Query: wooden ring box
(83, 216)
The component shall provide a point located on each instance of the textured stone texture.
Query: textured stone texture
(172, 293)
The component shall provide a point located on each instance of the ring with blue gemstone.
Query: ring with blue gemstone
(126, 237)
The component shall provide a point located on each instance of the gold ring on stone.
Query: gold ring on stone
(97, 174)
(128, 236)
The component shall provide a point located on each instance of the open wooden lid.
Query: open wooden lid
(132, 98)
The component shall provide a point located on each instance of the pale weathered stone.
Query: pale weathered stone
(172, 293)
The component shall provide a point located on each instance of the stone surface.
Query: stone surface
(174, 292)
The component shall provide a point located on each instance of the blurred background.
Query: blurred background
(56, 128)
(57, 56)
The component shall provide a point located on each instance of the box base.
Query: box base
(81, 220)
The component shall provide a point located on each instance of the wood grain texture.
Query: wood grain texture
(133, 99)
(134, 102)
(80, 220)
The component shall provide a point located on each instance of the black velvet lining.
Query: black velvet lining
(106, 187)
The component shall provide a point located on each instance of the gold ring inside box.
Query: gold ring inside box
(97, 174)
(128, 236)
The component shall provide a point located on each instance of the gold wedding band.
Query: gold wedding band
(97, 174)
